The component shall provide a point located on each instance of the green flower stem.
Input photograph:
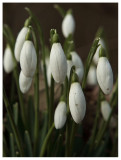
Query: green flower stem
(113, 104)
(92, 138)
(51, 108)
(89, 61)
(66, 92)
(41, 37)
(12, 148)
(60, 10)
(28, 144)
(36, 123)
(15, 113)
(73, 131)
(14, 128)
(16, 76)
(46, 140)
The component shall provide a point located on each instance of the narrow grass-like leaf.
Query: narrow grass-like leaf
(44, 146)
(15, 113)
(60, 10)
(28, 144)
(15, 130)
(12, 148)
(89, 61)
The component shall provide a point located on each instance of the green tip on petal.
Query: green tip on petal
(74, 78)
(102, 52)
(69, 11)
(63, 98)
(27, 21)
(69, 56)
(29, 34)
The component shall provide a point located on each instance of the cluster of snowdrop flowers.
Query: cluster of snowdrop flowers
(8, 60)
(26, 54)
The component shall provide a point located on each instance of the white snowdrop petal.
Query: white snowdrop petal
(104, 75)
(58, 63)
(77, 102)
(80, 73)
(92, 78)
(69, 65)
(105, 110)
(8, 60)
(68, 25)
(19, 42)
(24, 82)
(28, 59)
(60, 115)
(76, 60)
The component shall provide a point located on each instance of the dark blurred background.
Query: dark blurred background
(88, 17)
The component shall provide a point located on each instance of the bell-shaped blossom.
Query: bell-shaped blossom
(24, 82)
(8, 60)
(92, 77)
(77, 62)
(77, 102)
(68, 25)
(105, 110)
(60, 115)
(104, 75)
(69, 65)
(58, 63)
(28, 59)
(19, 42)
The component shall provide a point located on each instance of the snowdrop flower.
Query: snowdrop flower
(92, 78)
(69, 65)
(77, 102)
(28, 59)
(24, 82)
(68, 25)
(96, 56)
(77, 62)
(60, 115)
(105, 110)
(58, 63)
(105, 75)
(8, 60)
(19, 42)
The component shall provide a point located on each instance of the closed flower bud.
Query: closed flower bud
(28, 59)
(60, 115)
(92, 78)
(105, 110)
(8, 60)
(77, 102)
(47, 61)
(96, 56)
(77, 62)
(69, 65)
(104, 75)
(58, 63)
(24, 82)
(68, 25)
(19, 42)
